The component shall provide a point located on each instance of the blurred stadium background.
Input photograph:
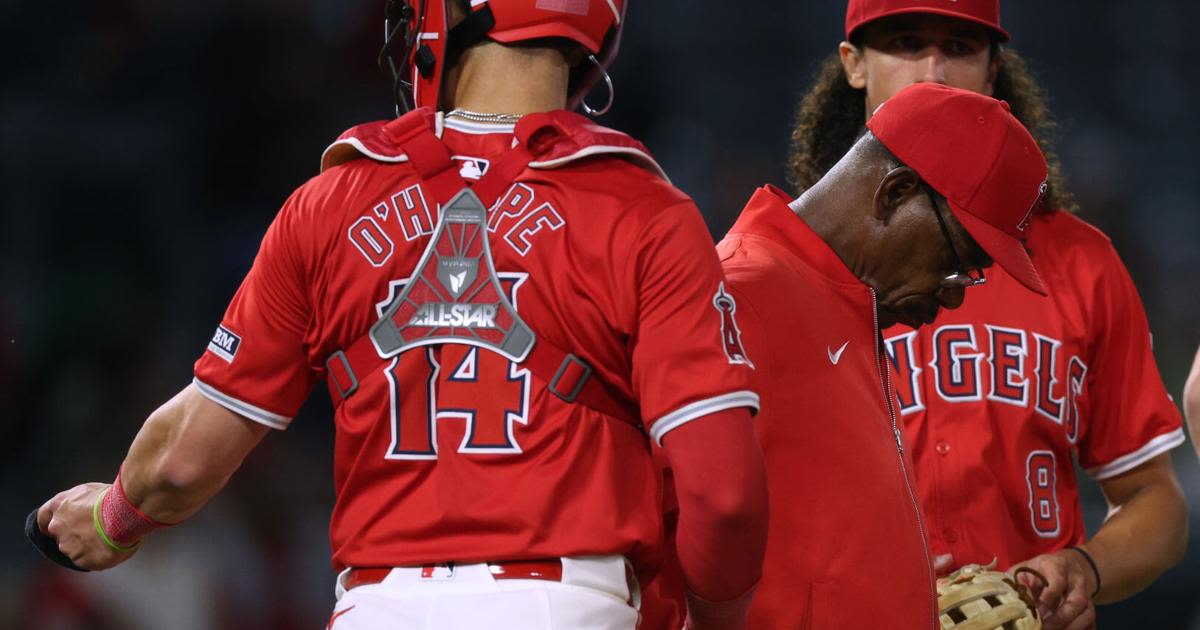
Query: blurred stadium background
(146, 146)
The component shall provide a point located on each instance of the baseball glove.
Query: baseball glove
(977, 598)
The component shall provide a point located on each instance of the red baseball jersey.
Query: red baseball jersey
(455, 453)
(844, 509)
(999, 395)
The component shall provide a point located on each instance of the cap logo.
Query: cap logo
(1036, 202)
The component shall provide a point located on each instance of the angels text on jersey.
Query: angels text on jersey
(1001, 365)
(1006, 365)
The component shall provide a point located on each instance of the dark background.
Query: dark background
(147, 145)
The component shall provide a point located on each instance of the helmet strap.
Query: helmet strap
(398, 39)
(472, 30)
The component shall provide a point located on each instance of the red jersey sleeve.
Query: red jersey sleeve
(257, 362)
(687, 356)
(1131, 419)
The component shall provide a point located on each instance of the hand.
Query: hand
(943, 565)
(1065, 600)
(68, 519)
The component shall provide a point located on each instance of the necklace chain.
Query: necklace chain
(466, 114)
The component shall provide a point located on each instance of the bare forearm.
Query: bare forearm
(1141, 539)
(184, 454)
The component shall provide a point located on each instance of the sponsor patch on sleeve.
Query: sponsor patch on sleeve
(224, 344)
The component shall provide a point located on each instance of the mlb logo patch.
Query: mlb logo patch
(224, 344)
(471, 167)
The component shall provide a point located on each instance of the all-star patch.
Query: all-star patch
(224, 344)
(441, 315)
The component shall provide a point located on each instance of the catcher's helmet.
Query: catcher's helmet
(418, 46)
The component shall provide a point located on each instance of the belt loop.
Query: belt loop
(341, 359)
(635, 588)
(570, 360)
(339, 588)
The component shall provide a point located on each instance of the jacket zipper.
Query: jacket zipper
(885, 382)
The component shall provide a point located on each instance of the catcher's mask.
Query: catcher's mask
(418, 47)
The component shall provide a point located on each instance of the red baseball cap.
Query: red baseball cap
(985, 12)
(975, 153)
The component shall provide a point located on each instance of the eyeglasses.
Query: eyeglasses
(964, 277)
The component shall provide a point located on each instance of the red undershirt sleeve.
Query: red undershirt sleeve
(721, 484)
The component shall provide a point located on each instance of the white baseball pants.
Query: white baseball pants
(594, 594)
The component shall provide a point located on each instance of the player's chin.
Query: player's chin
(914, 312)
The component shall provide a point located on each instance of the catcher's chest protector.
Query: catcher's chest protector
(456, 295)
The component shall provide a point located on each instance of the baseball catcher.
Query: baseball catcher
(489, 286)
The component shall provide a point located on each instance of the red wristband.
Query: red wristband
(121, 520)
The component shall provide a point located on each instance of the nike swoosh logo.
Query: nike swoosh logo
(834, 357)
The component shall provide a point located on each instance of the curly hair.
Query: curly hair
(832, 115)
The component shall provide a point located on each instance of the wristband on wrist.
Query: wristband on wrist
(1095, 571)
(100, 528)
(120, 524)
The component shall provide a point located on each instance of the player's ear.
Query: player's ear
(896, 187)
(854, 65)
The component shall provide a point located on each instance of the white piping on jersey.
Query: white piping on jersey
(1148, 451)
(358, 146)
(241, 408)
(477, 128)
(641, 157)
(597, 149)
(481, 128)
(699, 409)
(616, 13)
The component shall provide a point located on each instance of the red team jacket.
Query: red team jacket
(999, 395)
(451, 453)
(844, 511)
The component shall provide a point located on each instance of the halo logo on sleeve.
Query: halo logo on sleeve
(455, 294)
(224, 344)
(731, 335)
